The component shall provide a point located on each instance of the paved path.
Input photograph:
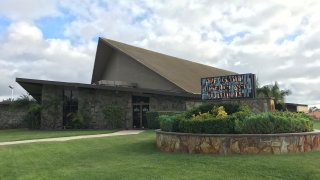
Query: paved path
(119, 133)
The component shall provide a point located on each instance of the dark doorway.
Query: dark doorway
(140, 106)
(70, 105)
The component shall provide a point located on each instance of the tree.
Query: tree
(274, 91)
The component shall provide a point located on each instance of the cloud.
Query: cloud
(28, 10)
(28, 54)
(277, 40)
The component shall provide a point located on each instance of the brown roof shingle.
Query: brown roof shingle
(183, 73)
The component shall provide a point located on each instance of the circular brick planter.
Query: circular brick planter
(238, 143)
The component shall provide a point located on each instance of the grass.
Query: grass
(24, 134)
(136, 157)
(316, 125)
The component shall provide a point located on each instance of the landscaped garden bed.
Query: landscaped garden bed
(231, 128)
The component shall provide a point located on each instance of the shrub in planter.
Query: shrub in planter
(166, 123)
(190, 126)
(229, 108)
(278, 122)
(153, 118)
(171, 123)
(208, 126)
(216, 111)
(219, 125)
(114, 116)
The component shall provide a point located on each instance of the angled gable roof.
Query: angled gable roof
(183, 73)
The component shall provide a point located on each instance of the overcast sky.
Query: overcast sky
(57, 39)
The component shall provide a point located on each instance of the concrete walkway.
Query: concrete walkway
(119, 133)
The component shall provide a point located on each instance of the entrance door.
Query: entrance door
(136, 116)
(144, 109)
(140, 106)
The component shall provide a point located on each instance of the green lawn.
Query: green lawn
(316, 125)
(135, 157)
(23, 134)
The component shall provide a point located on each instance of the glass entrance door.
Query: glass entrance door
(136, 115)
(140, 107)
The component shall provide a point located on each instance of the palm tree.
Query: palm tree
(273, 91)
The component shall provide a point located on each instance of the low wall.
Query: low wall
(11, 117)
(238, 143)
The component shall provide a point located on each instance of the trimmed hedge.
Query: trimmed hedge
(153, 118)
(208, 126)
(178, 123)
(238, 120)
(277, 122)
(171, 123)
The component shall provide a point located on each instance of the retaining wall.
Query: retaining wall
(238, 143)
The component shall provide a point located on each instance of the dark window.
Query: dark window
(70, 105)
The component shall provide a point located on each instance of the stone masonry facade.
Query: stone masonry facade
(11, 117)
(91, 103)
(238, 143)
(52, 104)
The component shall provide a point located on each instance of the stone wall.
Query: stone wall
(257, 105)
(92, 102)
(11, 117)
(167, 103)
(52, 107)
(238, 143)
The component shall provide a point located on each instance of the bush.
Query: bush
(277, 122)
(77, 120)
(243, 121)
(153, 118)
(171, 123)
(208, 126)
(229, 108)
(33, 116)
(202, 116)
(115, 117)
(219, 126)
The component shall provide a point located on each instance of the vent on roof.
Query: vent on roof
(117, 83)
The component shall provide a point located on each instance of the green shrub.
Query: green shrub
(229, 108)
(171, 123)
(77, 120)
(202, 116)
(190, 126)
(277, 122)
(219, 125)
(166, 123)
(115, 117)
(208, 126)
(32, 118)
(153, 118)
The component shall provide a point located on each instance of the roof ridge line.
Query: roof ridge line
(152, 51)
